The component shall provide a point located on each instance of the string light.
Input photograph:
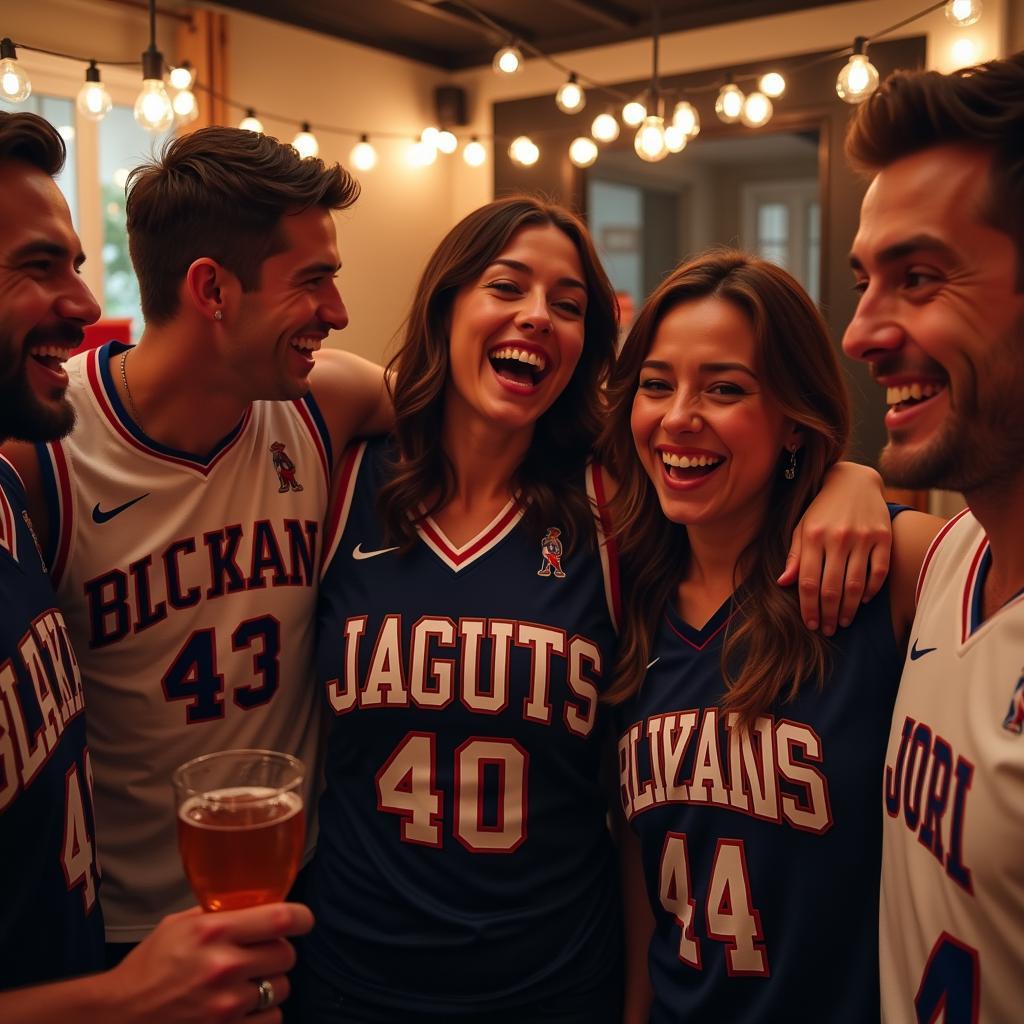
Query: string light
(182, 76)
(583, 151)
(571, 98)
(757, 110)
(420, 153)
(446, 141)
(14, 84)
(686, 119)
(729, 105)
(251, 123)
(633, 113)
(964, 52)
(605, 128)
(93, 100)
(524, 151)
(963, 12)
(185, 107)
(508, 60)
(649, 141)
(305, 142)
(363, 156)
(859, 78)
(772, 84)
(675, 138)
(153, 110)
(474, 152)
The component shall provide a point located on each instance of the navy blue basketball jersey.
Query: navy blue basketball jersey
(50, 921)
(464, 861)
(761, 848)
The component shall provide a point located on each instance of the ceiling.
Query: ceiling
(455, 34)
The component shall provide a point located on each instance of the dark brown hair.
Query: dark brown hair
(564, 435)
(33, 140)
(981, 106)
(768, 654)
(220, 193)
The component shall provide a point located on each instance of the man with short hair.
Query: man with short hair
(194, 966)
(186, 573)
(939, 262)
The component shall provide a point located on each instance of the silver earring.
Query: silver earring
(790, 472)
(218, 315)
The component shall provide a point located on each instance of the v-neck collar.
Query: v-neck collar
(458, 557)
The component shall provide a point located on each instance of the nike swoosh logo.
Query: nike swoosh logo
(358, 553)
(101, 516)
(916, 652)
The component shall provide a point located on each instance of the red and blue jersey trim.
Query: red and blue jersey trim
(608, 548)
(341, 501)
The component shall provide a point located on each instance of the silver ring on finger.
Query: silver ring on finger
(264, 995)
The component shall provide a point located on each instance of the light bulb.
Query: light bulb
(251, 123)
(583, 151)
(446, 141)
(605, 128)
(686, 118)
(524, 151)
(153, 110)
(963, 12)
(729, 104)
(185, 107)
(66, 132)
(633, 113)
(93, 100)
(508, 60)
(772, 84)
(649, 141)
(964, 52)
(120, 177)
(182, 77)
(429, 135)
(570, 97)
(420, 153)
(305, 142)
(859, 78)
(363, 156)
(14, 84)
(675, 138)
(474, 152)
(757, 110)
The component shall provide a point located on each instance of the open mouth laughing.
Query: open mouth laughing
(519, 365)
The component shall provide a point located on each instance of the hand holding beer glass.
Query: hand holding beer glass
(240, 826)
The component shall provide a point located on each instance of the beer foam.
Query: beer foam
(202, 810)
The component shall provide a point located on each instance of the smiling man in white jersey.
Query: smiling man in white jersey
(182, 517)
(939, 262)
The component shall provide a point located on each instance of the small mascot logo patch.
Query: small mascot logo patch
(1014, 720)
(551, 554)
(285, 468)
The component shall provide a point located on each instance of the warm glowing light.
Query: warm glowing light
(633, 113)
(583, 151)
(605, 128)
(420, 153)
(963, 12)
(729, 104)
(153, 110)
(182, 77)
(571, 98)
(446, 141)
(964, 52)
(120, 177)
(429, 135)
(363, 156)
(524, 151)
(649, 141)
(858, 79)
(757, 110)
(474, 153)
(305, 143)
(508, 60)
(93, 100)
(772, 85)
(185, 107)
(675, 138)
(251, 123)
(686, 119)
(14, 84)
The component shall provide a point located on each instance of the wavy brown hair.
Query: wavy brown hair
(768, 654)
(564, 435)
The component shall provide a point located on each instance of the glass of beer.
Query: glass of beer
(240, 826)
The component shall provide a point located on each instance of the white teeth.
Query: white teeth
(52, 351)
(906, 392)
(519, 355)
(688, 462)
(306, 344)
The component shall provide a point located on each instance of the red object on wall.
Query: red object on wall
(114, 329)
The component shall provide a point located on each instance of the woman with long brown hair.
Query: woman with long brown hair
(751, 749)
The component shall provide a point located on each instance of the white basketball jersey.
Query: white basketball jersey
(952, 903)
(189, 586)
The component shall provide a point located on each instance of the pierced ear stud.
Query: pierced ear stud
(218, 315)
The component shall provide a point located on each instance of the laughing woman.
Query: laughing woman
(750, 749)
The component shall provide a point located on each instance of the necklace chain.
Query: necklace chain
(128, 390)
